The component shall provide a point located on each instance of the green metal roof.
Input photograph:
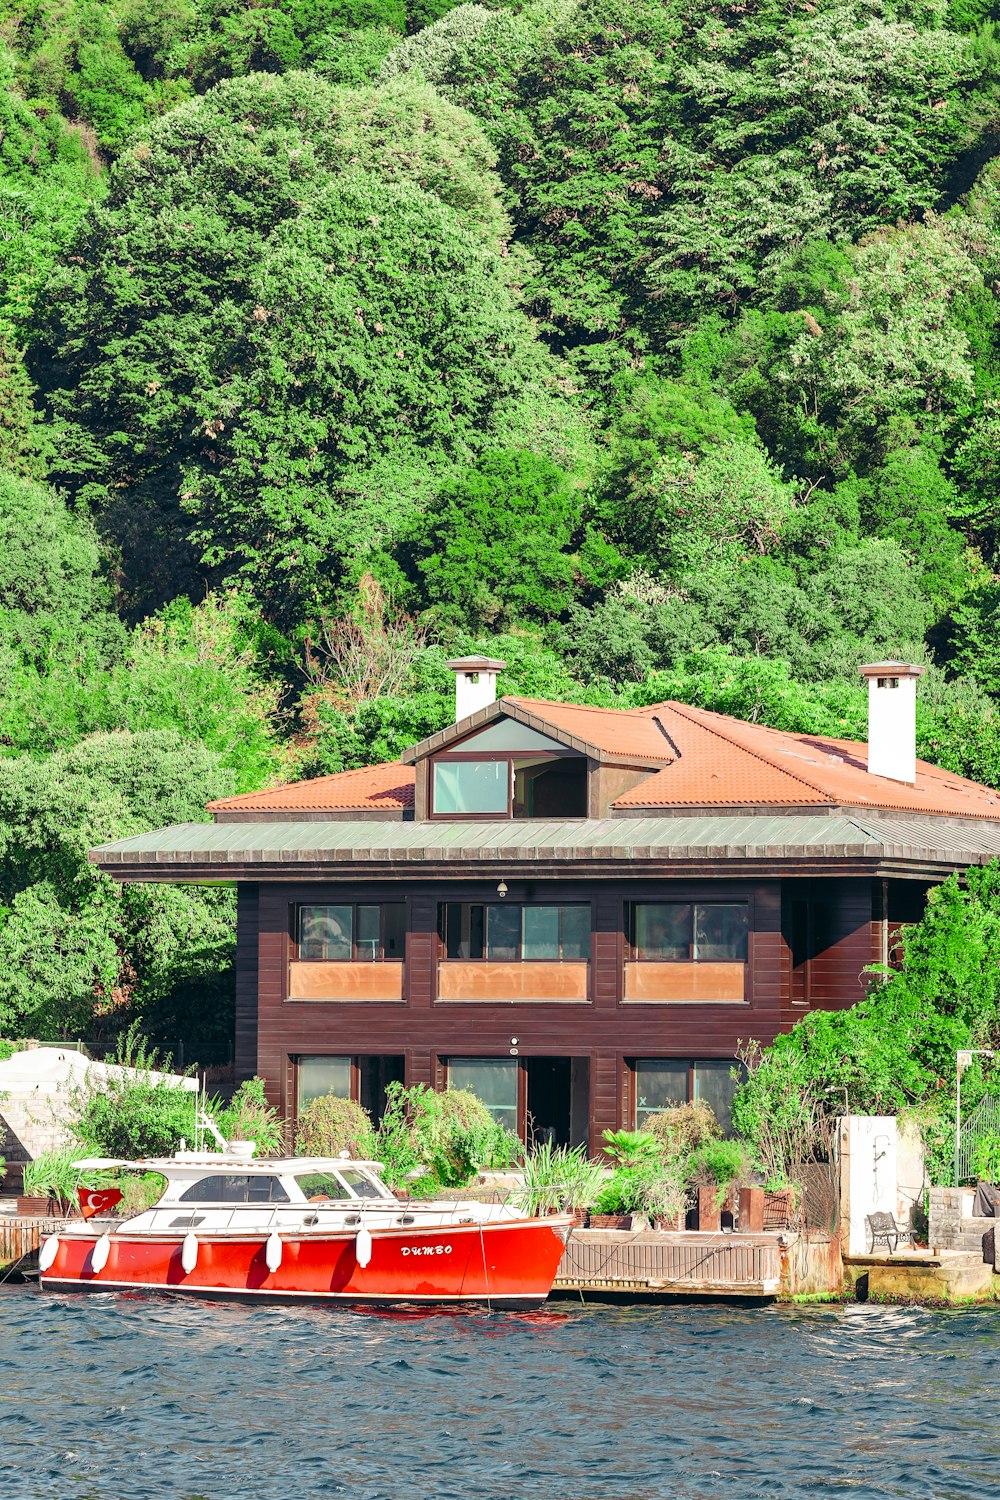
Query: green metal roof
(212, 848)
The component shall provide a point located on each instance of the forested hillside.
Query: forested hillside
(652, 346)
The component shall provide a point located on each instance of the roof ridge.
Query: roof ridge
(766, 760)
(590, 708)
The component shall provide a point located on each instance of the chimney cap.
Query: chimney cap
(892, 669)
(476, 664)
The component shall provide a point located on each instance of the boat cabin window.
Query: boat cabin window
(241, 1187)
(319, 1186)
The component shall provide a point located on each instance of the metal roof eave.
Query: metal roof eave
(655, 846)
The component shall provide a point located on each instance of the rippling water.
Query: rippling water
(118, 1397)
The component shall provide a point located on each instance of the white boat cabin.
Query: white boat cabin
(212, 1192)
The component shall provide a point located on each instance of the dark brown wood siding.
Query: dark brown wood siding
(841, 937)
(245, 1054)
(605, 1029)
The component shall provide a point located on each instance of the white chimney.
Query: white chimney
(475, 683)
(892, 719)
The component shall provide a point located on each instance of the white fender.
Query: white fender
(273, 1250)
(363, 1246)
(48, 1252)
(99, 1254)
(189, 1252)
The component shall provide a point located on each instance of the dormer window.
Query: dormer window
(549, 784)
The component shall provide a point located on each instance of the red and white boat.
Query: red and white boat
(316, 1228)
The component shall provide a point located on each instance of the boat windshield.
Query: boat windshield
(317, 1187)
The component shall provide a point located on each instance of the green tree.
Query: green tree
(494, 543)
(77, 949)
(238, 388)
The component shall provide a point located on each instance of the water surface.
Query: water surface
(127, 1397)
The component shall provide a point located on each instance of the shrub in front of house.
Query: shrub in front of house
(329, 1125)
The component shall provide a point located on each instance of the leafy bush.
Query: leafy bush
(249, 1117)
(457, 1136)
(719, 1163)
(684, 1129)
(722, 1162)
(446, 1137)
(986, 1158)
(135, 1114)
(139, 1191)
(649, 1187)
(330, 1125)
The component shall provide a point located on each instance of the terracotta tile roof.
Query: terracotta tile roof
(621, 732)
(726, 762)
(706, 760)
(385, 788)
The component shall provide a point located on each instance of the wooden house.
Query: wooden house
(577, 912)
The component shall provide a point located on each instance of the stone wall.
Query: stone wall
(951, 1226)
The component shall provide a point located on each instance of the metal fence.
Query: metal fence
(198, 1055)
(983, 1121)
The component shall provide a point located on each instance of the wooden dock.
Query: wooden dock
(599, 1261)
(20, 1238)
(688, 1264)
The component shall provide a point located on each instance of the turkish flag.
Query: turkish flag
(97, 1200)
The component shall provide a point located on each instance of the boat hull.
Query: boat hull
(511, 1262)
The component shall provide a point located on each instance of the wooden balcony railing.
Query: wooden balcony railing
(468, 979)
(345, 981)
(686, 984)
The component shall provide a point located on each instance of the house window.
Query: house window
(318, 1076)
(365, 1078)
(491, 1079)
(508, 933)
(544, 785)
(665, 1082)
(359, 931)
(471, 787)
(685, 932)
(660, 1083)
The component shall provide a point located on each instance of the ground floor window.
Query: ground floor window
(663, 1082)
(316, 1076)
(364, 1078)
(491, 1079)
(541, 1099)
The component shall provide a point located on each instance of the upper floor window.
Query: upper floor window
(548, 785)
(688, 931)
(354, 931)
(503, 933)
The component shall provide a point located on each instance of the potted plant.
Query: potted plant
(622, 1201)
(716, 1166)
(665, 1195)
(560, 1179)
(50, 1184)
(632, 1148)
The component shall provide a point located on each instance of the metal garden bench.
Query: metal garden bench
(883, 1227)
